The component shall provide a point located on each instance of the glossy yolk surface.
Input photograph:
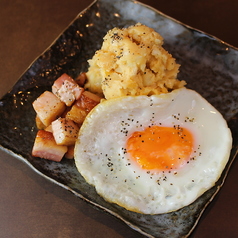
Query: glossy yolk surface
(161, 148)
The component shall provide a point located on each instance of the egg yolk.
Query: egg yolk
(161, 148)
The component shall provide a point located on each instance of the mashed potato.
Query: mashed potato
(132, 61)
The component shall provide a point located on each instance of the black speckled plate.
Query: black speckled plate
(208, 65)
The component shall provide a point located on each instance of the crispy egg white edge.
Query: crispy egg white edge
(143, 191)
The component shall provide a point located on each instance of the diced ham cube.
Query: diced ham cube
(45, 147)
(39, 124)
(48, 107)
(76, 114)
(81, 79)
(65, 131)
(66, 89)
(49, 128)
(70, 153)
(66, 111)
(88, 101)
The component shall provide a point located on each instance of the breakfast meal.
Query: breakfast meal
(137, 134)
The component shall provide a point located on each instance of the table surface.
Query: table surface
(30, 205)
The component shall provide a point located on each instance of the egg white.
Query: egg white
(101, 158)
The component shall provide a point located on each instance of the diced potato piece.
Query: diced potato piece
(88, 100)
(70, 153)
(45, 147)
(65, 131)
(48, 107)
(66, 89)
(76, 114)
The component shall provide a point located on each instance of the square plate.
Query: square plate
(208, 65)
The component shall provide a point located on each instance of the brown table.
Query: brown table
(30, 205)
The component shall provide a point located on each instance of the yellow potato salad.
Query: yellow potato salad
(132, 61)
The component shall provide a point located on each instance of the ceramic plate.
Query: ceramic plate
(207, 64)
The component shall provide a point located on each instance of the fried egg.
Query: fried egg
(153, 154)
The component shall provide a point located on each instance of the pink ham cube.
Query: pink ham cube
(67, 89)
(65, 131)
(48, 107)
(45, 147)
